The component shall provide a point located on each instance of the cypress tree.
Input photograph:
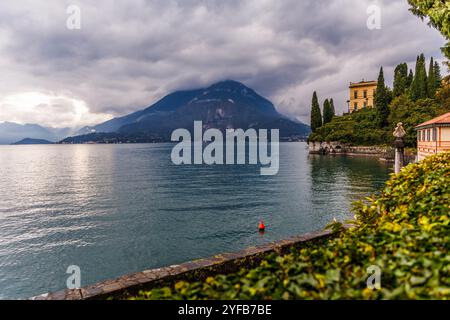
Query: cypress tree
(437, 75)
(431, 81)
(419, 85)
(382, 101)
(316, 116)
(410, 79)
(423, 71)
(327, 112)
(333, 110)
(414, 90)
(400, 79)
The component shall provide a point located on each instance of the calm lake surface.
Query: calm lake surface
(118, 209)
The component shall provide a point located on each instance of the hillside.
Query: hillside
(224, 105)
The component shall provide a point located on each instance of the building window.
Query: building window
(419, 135)
(365, 104)
(434, 134)
(355, 106)
(365, 94)
(423, 135)
(428, 135)
(355, 94)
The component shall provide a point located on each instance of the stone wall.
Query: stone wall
(335, 147)
(197, 270)
(384, 153)
(371, 150)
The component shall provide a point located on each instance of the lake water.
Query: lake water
(118, 209)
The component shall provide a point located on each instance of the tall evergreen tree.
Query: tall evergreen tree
(437, 75)
(410, 79)
(431, 81)
(333, 109)
(423, 70)
(327, 112)
(400, 79)
(413, 89)
(419, 85)
(382, 101)
(316, 116)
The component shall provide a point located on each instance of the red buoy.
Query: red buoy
(262, 226)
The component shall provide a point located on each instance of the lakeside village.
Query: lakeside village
(419, 100)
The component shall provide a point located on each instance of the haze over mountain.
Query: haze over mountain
(224, 105)
(11, 132)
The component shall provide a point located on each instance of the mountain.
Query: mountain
(224, 105)
(11, 132)
(27, 141)
(166, 105)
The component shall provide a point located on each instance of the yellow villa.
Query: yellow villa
(362, 95)
(433, 136)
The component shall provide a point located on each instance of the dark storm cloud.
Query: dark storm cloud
(130, 53)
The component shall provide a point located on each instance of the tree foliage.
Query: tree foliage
(327, 112)
(361, 127)
(411, 113)
(437, 75)
(333, 109)
(400, 79)
(382, 101)
(431, 81)
(443, 95)
(438, 12)
(316, 115)
(410, 79)
(419, 84)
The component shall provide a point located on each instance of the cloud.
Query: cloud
(56, 111)
(128, 54)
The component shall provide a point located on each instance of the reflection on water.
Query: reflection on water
(340, 180)
(117, 209)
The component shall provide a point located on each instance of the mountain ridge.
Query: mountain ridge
(11, 132)
(224, 105)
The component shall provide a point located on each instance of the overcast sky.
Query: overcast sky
(130, 53)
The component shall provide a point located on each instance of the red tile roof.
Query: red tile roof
(445, 118)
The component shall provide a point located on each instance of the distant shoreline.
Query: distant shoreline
(119, 143)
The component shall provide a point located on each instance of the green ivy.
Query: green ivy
(405, 231)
